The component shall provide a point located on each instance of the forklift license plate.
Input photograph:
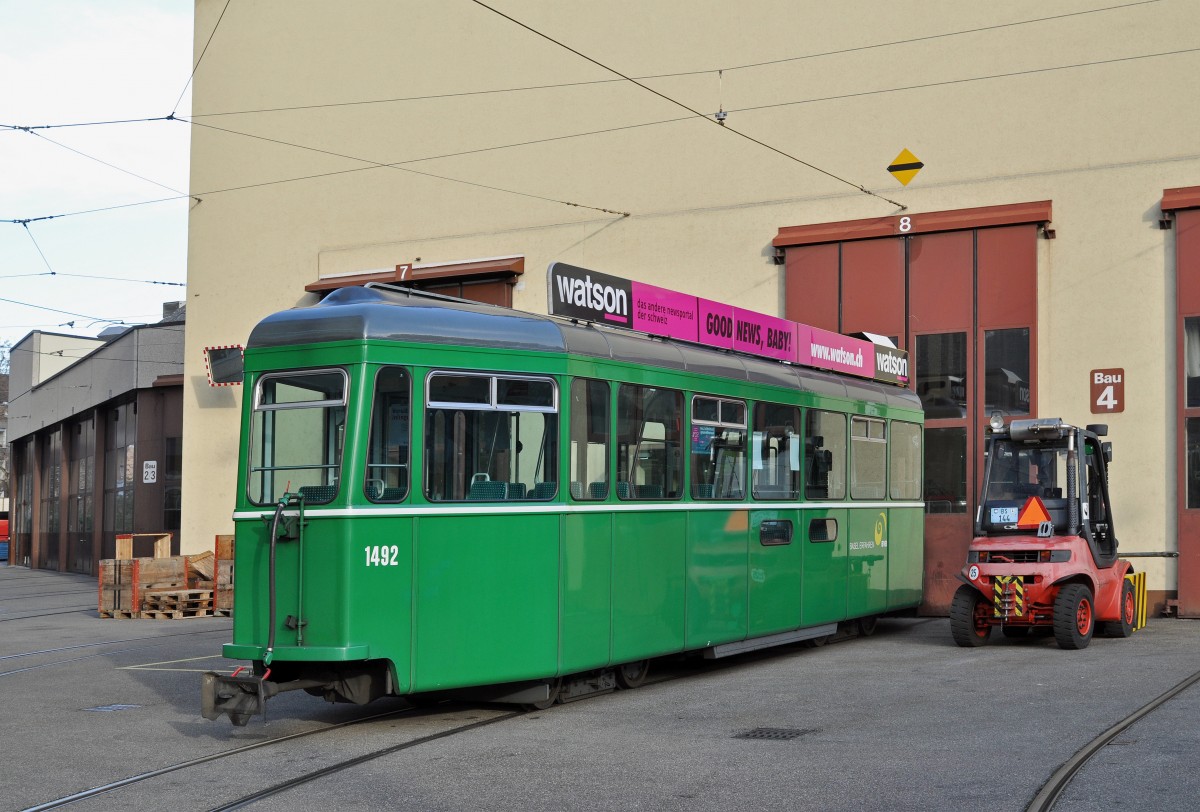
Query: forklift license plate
(1004, 515)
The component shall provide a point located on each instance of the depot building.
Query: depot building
(938, 175)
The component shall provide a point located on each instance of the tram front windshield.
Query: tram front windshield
(296, 436)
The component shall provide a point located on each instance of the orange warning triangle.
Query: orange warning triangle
(1033, 513)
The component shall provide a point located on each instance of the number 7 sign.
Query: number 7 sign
(1108, 390)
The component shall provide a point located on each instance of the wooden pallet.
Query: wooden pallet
(175, 614)
(127, 614)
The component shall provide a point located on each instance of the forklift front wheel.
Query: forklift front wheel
(1074, 617)
(969, 617)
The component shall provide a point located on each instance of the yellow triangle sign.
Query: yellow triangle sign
(905, 167)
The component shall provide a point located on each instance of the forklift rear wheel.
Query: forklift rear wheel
(969, 617)
(1074, 617)
(1123, 627)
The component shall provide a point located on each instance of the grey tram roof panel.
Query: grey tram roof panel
(360, 314)
(397, 314)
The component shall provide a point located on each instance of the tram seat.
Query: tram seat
(623, 490)
(702, 491)
(649, 492)
(487, 491)
(576, 490)
(544, 490)
(377, 493)
(318, 494)
(516, 490)
(599, 490)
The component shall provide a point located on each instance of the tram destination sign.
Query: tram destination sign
(579, 293)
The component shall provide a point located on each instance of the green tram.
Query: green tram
(436, 494)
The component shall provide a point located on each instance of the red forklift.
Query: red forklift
(1044, 557)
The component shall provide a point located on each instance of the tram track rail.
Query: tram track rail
(672, 675)
(148, 640)
(131, 780)
(1046, 797)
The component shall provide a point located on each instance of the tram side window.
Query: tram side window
(649, 422)
(490, 437)
(905, 451)
(297, 432)
(589, 439)
(718, 448)
(388, 448)
(775, 452)
(824, 455)
(868, 458)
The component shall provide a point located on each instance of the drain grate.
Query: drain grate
(775, 733)
(112, 708)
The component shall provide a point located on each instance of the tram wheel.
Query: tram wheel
(817, 642)
(542, 704)
(866, 625)
(631, 675)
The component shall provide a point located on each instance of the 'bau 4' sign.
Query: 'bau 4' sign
(579, 293)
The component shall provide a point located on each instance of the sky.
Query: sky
(78, 62)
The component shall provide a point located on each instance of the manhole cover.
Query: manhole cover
(774, 733)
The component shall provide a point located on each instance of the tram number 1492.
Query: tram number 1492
(382, 555)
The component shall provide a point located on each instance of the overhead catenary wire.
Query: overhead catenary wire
(697, 72)
(64, 312)
(402, 168)
(200, 59)
(320, 175)
(691, 110)
(106, 163)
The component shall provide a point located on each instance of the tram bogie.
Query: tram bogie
(438, 496)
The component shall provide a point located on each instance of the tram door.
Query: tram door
(826, 546)
(777, 539)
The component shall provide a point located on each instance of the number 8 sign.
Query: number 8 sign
(1108, 390)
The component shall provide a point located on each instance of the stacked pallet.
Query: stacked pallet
(169, 587)
(222, 576)
(177, 603)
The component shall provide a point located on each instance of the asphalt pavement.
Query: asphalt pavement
(901, 720)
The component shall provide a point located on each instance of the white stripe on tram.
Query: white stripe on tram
(461, 509)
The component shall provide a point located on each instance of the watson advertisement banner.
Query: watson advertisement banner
(578, 293)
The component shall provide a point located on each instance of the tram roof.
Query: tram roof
(397, 314)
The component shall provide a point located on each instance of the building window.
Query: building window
(942, 375)
(946, 470)
(1006, 371)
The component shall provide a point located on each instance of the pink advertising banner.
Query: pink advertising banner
(579, 293)
(827, 350)
(664, 312)
(732, 328)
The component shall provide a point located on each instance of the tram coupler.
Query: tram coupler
(238, 697)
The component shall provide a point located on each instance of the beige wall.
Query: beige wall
(1100, 141)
